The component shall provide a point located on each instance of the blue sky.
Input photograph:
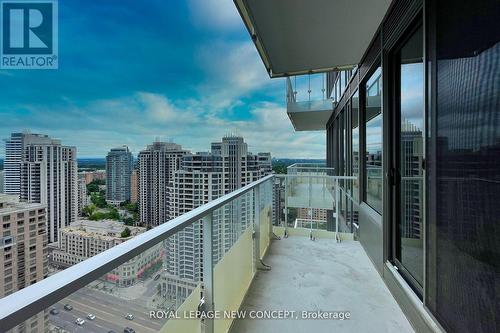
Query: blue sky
(131, 71)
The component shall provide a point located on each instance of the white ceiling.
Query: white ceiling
(299, 36)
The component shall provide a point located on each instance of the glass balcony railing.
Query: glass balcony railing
(170, 278)
(310, 169)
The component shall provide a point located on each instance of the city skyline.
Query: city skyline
(169, 69)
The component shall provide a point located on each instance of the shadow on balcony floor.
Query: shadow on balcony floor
(321, 276)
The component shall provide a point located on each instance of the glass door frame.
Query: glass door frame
(394, 177)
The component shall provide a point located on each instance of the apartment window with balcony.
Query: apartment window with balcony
(372, 191)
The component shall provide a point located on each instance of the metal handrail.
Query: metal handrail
(23, 304)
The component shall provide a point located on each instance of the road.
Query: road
(109, 310)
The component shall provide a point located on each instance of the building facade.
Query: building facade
(157, 165)
(411, 110)
(134, 186)
(84, 239)
(203, 177)
(49, 176)
(83, 197)
(119, 166)
(23, 251)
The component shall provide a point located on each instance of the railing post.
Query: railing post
(337, 209)
(208, 271)
(256, 228)
(285, 223)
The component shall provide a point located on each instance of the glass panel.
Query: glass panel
(135, 296)
(463, 272)
(411, 144)
(355, 143)
(373, 143)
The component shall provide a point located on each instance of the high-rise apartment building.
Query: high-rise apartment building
(119, 166)
(1, 180)
(134, 186)
(48, 175)
(203, 177)
(157, 165)
(14, 148)
(23, 251)
(83, 197)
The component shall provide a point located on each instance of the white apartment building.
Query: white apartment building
(14, 148)
(84, 239)
(48, 175)
(157, 165)
(201, 178)
(23, 251)
(83, 197)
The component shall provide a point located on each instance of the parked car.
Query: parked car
(91, 316)
(68, 307)
(79, 321)
(157, 277)
(128, 330)
(129, 316)
(54, 311)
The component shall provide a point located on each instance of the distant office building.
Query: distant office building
(134, 186)
(23, 251)
(119, 166)
(1, 181)
(83, 197)
(157, 165)
(98, 236)
(48, 173)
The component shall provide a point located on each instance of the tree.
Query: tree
(125, 233)
(280, 168)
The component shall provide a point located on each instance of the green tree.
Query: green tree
(125, 233)
(280, 168)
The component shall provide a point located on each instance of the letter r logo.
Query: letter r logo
(27, 27)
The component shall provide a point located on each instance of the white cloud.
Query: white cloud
(215, 14)
(139, 119)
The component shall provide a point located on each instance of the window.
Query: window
(372, 193)
(409, 80)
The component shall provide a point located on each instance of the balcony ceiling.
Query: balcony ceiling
(299, 36)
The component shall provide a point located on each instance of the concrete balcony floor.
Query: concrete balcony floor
(321, 275)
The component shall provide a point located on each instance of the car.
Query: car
(129, 316)
(157, 277)
(128, 330)
(91, 316)
(79, 321)
(54, 311)
(68, 307)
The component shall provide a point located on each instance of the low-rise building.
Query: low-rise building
(84, 239)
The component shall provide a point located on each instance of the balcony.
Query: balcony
(302, 258)
(307, 104)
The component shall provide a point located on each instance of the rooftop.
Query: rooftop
(103, 229)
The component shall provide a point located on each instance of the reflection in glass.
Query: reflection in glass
(355, 143)
(373, 141)
(411, 73)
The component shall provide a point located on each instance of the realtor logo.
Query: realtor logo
(29, 34)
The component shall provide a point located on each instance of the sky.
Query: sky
(131, 72)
